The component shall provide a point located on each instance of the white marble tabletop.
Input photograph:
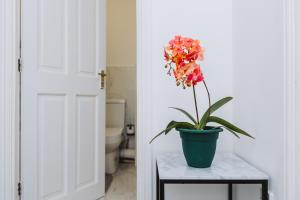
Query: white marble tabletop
(225, 166)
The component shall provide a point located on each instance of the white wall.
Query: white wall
(121, 33)
(2, 116)
(211, 22)
(258, 60)
(121, 54)
(297, 38)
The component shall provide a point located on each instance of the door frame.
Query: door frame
(145, 161)
(9, 98)
(290, 102)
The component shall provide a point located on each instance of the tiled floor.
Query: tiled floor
(123, 186)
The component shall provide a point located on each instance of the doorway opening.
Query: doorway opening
(121, 103)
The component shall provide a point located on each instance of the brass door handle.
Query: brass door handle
(102, 75)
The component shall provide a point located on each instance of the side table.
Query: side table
(229, 169)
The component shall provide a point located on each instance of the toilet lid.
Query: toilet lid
(113, 132)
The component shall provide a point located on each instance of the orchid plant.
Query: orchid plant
(182, 56)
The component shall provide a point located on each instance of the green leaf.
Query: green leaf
(160, 133)
(228, 125)
(172, 125)
(212, 109)
(231, 131)
(185, 125)
(186, 113)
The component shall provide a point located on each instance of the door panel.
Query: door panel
(52, 17)
(87, 31)
(52, 133)
(86, 138)
(63, 107)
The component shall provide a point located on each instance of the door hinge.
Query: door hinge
(19, 189)
(19, 64)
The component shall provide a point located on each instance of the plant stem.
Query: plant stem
(195, 100)
(208, 94)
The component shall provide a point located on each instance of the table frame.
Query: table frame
(160, 185)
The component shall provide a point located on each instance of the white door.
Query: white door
(63, 107)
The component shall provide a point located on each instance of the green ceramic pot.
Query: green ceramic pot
(199, 146)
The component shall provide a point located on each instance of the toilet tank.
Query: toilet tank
(115, 113)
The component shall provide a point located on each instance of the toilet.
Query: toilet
(115, 123)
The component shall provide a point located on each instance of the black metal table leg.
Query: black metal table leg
(161, 190)
(230, 191)
(160, 185)
(265, 194)
(157, 184)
